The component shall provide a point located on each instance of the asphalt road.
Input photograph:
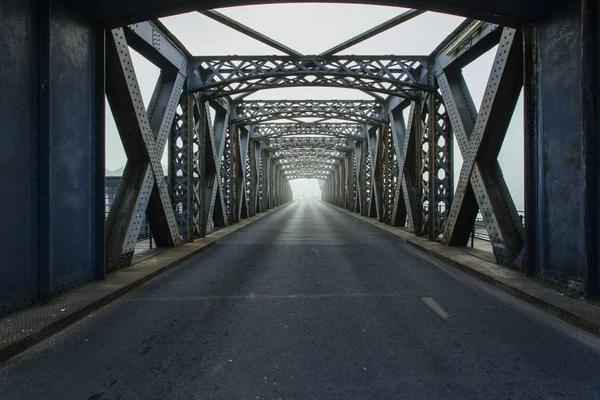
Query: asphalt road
(311, 303)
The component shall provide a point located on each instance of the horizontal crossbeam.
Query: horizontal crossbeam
(396, 76)
(359, 111)
(309, 143)
(349, 131)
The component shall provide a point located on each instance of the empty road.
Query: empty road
(311, 303)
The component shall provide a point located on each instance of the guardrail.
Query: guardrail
(145, 232)
(480, 231)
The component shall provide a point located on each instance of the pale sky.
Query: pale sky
(311, 29)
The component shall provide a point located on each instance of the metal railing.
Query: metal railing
(480, 231)
(145, 232)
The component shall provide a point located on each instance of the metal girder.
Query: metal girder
(389, 24)
(307, 176)
(258, 111)
(308, 166)
(308, 159)
(144, 134)
(201, 167)
(153, 40)
(306, 152)
(373, 143)
(406, 205)
(233, 24)
(467, 43)
(308, 143)
(349, 131)
(480, 136)
(226, 76)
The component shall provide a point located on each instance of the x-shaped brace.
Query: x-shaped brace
(144, 133)
(480, 136)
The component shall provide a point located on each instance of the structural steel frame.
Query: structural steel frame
(231, 158)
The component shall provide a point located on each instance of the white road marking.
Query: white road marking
(431, 303)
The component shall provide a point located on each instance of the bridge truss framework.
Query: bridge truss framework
(232, 158)
(390, 157)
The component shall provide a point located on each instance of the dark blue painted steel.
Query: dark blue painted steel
(99, 152)
(43, 144)
(17, 277)
(51, 208)
(560, 215)
(72, 152)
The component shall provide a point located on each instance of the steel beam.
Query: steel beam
(398, 76)
(481, 185)
(260, 111)
(387, 25)
(144, 135)
(233, 24)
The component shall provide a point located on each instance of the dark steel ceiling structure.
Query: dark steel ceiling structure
(118, 12)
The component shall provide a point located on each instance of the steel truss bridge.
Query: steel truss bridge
(231, 158)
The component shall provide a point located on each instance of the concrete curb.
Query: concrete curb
(575, 312)
(188, 251)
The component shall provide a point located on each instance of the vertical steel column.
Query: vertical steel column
(432, 206)
(349, 165)
(590, 41)
(530, 96)
(373, 139)
(265, 175)
(98, 145)
(42, 112)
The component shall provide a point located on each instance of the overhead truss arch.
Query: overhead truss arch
(358, 111)
(348, 131)
(228, 76)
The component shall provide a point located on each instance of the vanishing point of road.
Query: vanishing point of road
(311, 303)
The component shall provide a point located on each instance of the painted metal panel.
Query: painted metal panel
(71, 154)
(560, 207)
(17, 160)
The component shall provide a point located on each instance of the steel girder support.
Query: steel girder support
(265, 172)
(218, 136)
(360, 156)
(241, 167)
(326, 143)
(144, 133)
(375, 170)
(480, 136)
(277, 130)
(259, 111)
(350, 181)
(201, 168)
(227, 76)
(254, 153)
(406, 207)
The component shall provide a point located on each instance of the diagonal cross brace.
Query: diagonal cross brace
(405, 136)
(480, 136)
(144, 134)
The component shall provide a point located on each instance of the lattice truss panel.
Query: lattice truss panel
(200, 177)
(309, 143)
(358, 111)
(349, 131)
(217, 77)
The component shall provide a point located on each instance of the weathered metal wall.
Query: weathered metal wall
(559, 184)
(48, 156)
(71, 151)
(17, 171)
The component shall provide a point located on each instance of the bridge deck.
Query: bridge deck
(309, 302)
